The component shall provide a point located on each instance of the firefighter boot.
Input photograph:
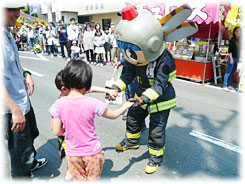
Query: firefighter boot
(125, 145)
(151, 167)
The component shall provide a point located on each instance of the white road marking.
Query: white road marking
(195, 83)
(32, 58)
(34, 73)
(25, 52)
(42, 57)
(216, 141)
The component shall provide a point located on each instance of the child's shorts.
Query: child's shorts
(86, 167)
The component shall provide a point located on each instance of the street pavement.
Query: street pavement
(200, 110)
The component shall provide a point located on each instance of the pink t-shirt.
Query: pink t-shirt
(77, 116)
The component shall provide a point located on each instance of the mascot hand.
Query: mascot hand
(137, 101)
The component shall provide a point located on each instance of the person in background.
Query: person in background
(234, 56)
(42, 36)
(107, 45)
(62, 37)
(88, 43)
(18, 116)
(54, 40)
(30, 37)
(74, 50)
(80, 39)
(99, 42)
(115, 50)
(50, 40)
(72, 33)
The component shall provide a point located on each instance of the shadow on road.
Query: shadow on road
(108, 165)
(191, 156)
(50, 151)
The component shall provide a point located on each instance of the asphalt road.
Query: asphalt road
(204, 109)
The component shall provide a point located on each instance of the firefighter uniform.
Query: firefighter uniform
(158, 94)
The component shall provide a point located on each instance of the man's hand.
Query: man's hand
(137, 101)
(29, 83)
(19, 121)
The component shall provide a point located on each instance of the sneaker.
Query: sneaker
(52, 55)
(123, 146)
(226, 89)
(231, 88)
(101, 64)
(39, 163)
(97, 64)
(68, 59)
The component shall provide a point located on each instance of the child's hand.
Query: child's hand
(128, 104)
(112, 93)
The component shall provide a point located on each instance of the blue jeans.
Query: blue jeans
(20, 145)
(230, 72)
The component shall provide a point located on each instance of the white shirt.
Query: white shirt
(72, 32)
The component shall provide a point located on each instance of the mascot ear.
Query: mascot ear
(184, 30)
(175, 18)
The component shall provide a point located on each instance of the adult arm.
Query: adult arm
(19, 120)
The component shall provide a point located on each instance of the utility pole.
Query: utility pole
(50, 16)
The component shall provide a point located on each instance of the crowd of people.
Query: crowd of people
(99, 45)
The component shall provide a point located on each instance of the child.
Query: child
(99, 41)
(64, 92)
(77, 112)
(74, 50)
(107, 46)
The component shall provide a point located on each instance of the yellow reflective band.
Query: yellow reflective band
(172, 75)
(133, 136)
(161, 106)
(151, 94)
(157, 152)
(119, 83)
(150, 81)
(63, 144)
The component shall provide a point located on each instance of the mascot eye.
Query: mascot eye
(131, 54)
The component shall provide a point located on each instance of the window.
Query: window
(106, 23)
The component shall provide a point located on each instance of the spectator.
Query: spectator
(80, 39)
(74, 50)
(72, 33)
(50, 40)
(115, 50)
(30, 37)
(54, 41)
(42, 36)
(99, 42)
(234, 56)
(62, 37)
(19, 118)
(107, 45)
(88, 43)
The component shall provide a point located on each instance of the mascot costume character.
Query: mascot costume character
(140, 36)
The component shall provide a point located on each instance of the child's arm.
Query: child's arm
(112, 92)
(56, 126)
(110, 114)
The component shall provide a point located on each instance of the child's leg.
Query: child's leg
(86, 167)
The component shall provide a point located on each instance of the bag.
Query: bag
(108, 84)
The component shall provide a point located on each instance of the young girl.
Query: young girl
(99, 41)
(64, 92)
(77, 112)
(74, 50)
